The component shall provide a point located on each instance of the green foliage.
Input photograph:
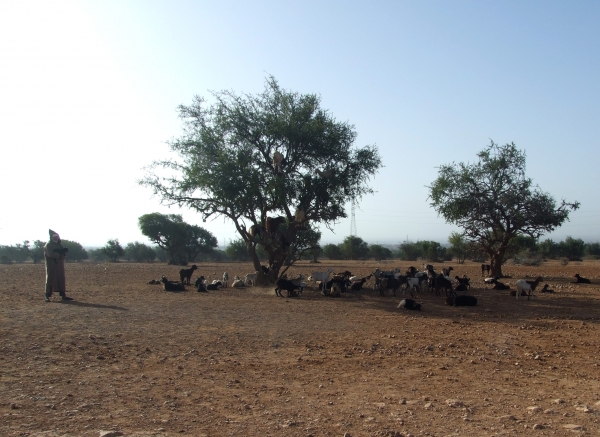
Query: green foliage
(97, 255)
(572, 248)
(493, 201)
(182, 242)
(354, 248)
(379, 253)
(225, 166)
(76, 251)
(409, 251)
(459, 247)
(432, 251)
(332, 251)
(139, 252)
(549, 249)
(113, 250)
(237, 251)
(592, 250)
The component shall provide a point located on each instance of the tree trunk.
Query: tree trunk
(497, 258)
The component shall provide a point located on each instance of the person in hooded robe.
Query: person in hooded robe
(55, 253)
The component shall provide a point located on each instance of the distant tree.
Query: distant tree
(161, 254)
(409, 251)
(493, 201)
(252, 157)
(182, 241)
(76, 251)
(36, 251)
(139, 252)
(13, 253)
(459, 247)
(432, 251)
(97, 255)
(332, 251)
(592, 250)
(572, 248)
(306, 243)
(549, 249)
(354, 248)
(236, 251)
(378, 252)
(113, 250)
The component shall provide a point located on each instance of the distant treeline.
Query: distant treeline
(525, 250)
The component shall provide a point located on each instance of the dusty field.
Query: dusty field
(129, 357)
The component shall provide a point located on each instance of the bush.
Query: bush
(139, 252)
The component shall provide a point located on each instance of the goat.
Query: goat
(546, 289)
(379, 273)
(460, 287)
(214, 286)
(485, 268)
(256, 231)
(491, 280)
(265, 270)
(580, 280)
(442, 283)
(409, 304)
(325, 174)
(411, 272)
(284, 284)
(153, 282)
(278, 161)
(527, 286)
(225, 279)
(250, 277)
(238, 283)
(500, 286)
(300, 215)
(413, 284)
(298, 282)
(171, 285)
(272, 224)
(358, 284)
(320, 276)
(186, 274)
(336, 290)
(392, 283)
(461, 301)
(446, 271)
(200, 284)
(340, 282)
(464, 281)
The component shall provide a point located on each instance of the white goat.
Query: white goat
(250, 277)
(320, 276)
(527, 286)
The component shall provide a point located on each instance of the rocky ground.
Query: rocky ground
(130, 358)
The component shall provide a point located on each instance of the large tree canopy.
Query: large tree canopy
(250, 157)
(493, 201)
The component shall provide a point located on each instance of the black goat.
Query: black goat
(409, 304)
(200, 284)
(441, 283)
(171, 285)
(500, 286)
(546, 289)
(461, 301)
(446, 271)
(214, 286)
(464, 280)
(186, 274)
(284, 284)
(390, 284)
(460, 287)
(580, 280)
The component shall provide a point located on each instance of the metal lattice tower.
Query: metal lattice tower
(353, 219)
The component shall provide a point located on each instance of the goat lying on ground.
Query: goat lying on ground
(500, 286)
(358, 284)
(580, 280)
(527, 286)
(460, 287)
(186, 274)
(238, 283)
(409, 304)
(200, 284)
(171, 285)
(546, 289)
(461, 301)
(491, 280)
(154, 282)
(214, 286)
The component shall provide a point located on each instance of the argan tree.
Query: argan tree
(493, 201)
(276, 154)
(182, 242)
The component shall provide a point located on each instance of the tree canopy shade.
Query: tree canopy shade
(274, 154)
(493, 201)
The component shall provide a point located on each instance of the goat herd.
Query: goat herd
(334, 284)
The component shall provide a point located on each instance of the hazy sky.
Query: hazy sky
(89, 91)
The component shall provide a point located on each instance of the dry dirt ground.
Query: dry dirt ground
(131, 358)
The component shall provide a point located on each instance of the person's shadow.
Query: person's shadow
(93, 305)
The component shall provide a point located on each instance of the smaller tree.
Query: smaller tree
(236, 251)
(139, 252)
(113, 250)
(76, 251)
(36, 252)
(409, 251)
(354, 248)
(572, 248)
(332, 251)
(379, 253)
(549, 249)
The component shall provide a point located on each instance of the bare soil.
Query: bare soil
(129, 357)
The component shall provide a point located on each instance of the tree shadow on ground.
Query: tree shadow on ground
(94, 305)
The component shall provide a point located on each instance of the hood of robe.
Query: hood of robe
(51, 232)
